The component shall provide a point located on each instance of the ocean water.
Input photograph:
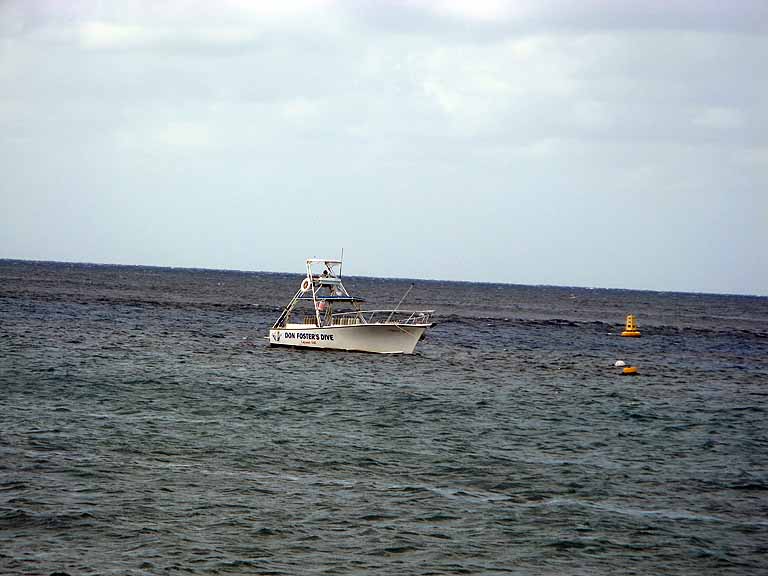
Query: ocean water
(146, 427)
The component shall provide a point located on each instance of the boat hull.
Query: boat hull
(384, 338)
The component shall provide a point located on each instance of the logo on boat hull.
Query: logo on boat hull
(276, 336)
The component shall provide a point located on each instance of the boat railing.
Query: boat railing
(411, 317)
(347, 319)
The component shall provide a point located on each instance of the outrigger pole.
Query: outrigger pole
(285, 310)
(401, 301)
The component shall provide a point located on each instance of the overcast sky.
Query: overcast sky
(582, 143)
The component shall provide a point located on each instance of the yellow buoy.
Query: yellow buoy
(630, 329)
(629, 370)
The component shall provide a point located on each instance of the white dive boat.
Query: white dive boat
(314, 319)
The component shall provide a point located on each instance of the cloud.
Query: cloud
(478, 10)
(145, 24)
(492, 20)
(476, 20)
(720, 118)
(99, 35)
(279, 10)
(481, 84)
(753, 158)
(546, 148)
(300, 109)
(174, 137)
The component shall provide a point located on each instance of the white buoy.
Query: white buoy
(620, 363)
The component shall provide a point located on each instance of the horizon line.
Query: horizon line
(202, 268)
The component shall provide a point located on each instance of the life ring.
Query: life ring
(305, 285)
